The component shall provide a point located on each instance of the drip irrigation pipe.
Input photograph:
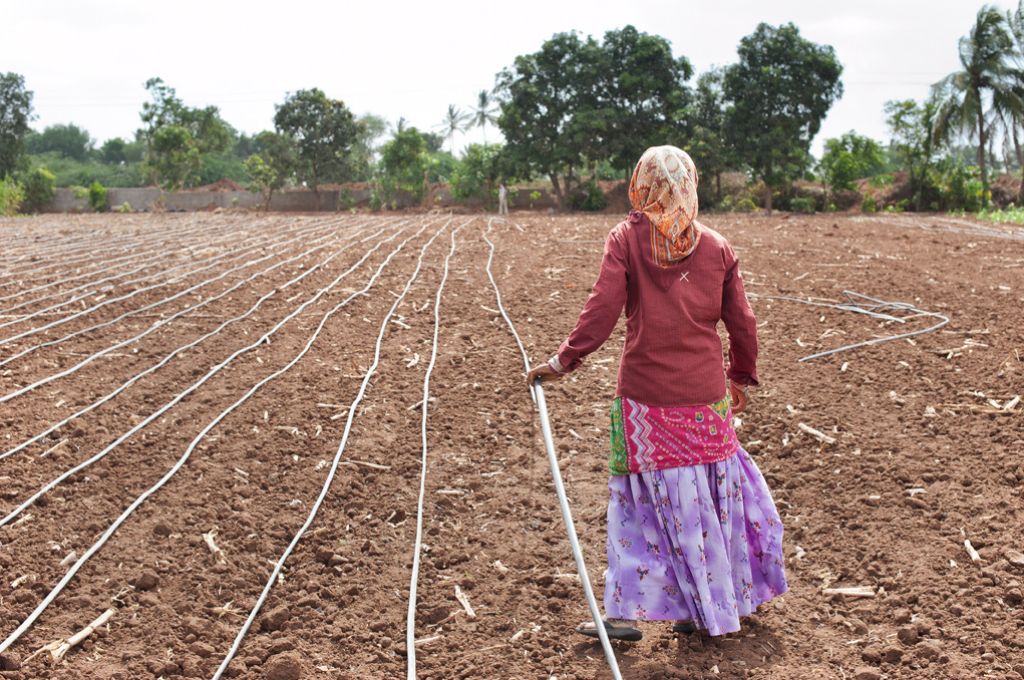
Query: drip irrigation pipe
(265, 338)
(873, 310)
(94, 548)
(537, 392)
(56, 426)
(410, 620)
(156, 325)
(161, 276)
(315, 508)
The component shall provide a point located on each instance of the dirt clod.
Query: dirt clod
(285, 666)
(147, 580)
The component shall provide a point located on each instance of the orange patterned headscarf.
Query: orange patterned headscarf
(664, 187)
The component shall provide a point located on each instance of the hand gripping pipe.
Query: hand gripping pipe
(537, 392)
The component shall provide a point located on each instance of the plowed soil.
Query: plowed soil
(922, 452)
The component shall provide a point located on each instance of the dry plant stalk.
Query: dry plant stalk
(852, 591)
(975, 557)
(817, 434)
(211, 543)
(464, 601)
(58, 648)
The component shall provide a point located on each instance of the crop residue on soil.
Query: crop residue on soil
(896, 468)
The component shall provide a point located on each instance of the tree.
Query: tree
(118, 151)
(455, 120)
(178, 137)
(369, 128)
(642, 96)
(706, 143)
(985, 81)
(15, 114)
(912, 146)
(272, 165)
(70, 141)
(477, 173)
(405, 163)
(776, 96)
(174, 158)
(484, 112)
(548, 104)
(38, 186)
(1012, 118)
(849, 158)
(323, 131)
(577, 103)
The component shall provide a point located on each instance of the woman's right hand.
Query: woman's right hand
(544, 372)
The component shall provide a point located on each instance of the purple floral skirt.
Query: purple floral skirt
(699, 543)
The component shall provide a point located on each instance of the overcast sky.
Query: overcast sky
(86, 62)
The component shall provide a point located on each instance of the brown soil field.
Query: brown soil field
(175, 391)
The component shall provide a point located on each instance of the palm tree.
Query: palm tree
(985, 83)
(485, 111)
(454, 121)
(1009, 112)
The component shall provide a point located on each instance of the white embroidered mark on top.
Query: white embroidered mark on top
(684, 277)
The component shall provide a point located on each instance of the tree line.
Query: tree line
(578, 110)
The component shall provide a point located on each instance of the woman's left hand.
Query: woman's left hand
(738, 397)
(544, 372)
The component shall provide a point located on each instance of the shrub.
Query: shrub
(588, 197)
(534, 197)
(745, 205)
(80, 193)
(125, 207)
(869, 205)
(11, 196)
(98, 197)
(803, 204)
(38, 186)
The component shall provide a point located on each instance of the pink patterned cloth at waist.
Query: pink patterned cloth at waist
(646, 438)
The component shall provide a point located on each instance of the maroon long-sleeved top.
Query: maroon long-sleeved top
(673, 354)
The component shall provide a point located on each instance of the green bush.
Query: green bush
(125, 207)
(11, 196)
(803, 204)
(588, 197)
(534, 197)
(745, 205)
(38, 185)
(98, 197)
(869, 205)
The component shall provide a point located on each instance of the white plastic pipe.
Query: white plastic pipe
(570, 529)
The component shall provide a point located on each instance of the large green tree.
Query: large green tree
(178, 137)
(642, 96)
(985, 83)
(578, 102)
(706, 141)
(777, 95)
(15, 114)
(323, 131)
(548, 104)
(69, 141)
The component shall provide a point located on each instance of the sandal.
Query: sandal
(615, 632)
(684, 627)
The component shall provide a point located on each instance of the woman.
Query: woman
(693, 534)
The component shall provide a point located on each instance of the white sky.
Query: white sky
(86, 62)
